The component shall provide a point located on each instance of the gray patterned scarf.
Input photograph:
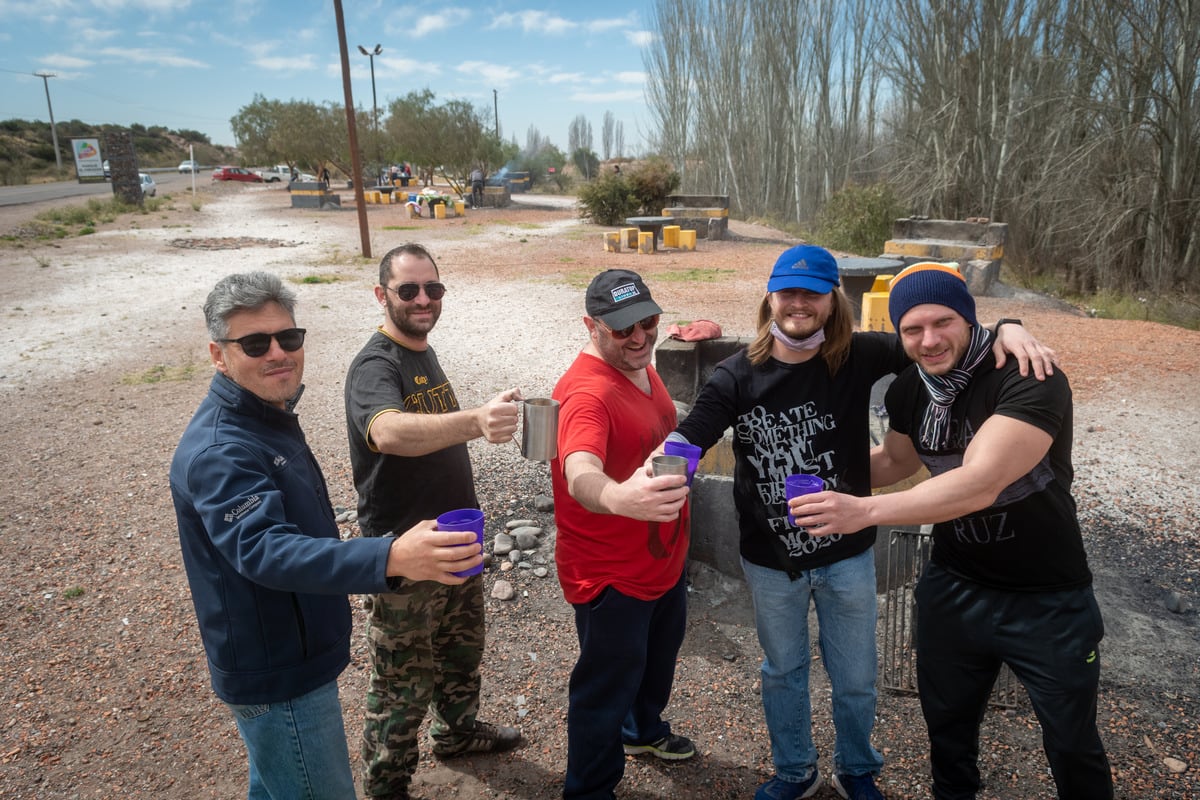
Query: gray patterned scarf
(943, 389)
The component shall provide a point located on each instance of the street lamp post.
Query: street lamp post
(374, 103)
(45, 76)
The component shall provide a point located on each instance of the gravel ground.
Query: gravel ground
(103, 361)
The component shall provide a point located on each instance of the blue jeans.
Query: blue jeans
(844, 595)
(620, 685)
(297, 747)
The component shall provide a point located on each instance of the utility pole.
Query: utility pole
(352, 130)
(45, 76)
(496, 108)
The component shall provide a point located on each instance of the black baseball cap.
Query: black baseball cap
(619, 298)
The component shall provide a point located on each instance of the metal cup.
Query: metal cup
(669, 465)
(539, 429)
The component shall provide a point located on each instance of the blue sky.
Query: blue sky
(194, 63)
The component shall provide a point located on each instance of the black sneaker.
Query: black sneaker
(669, 748)
(486, 738)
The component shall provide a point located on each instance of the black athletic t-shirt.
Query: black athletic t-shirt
(1029, 539)
(395, 492)
(794, 418)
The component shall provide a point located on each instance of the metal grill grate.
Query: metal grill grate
(907, 554)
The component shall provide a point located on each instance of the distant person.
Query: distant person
(1008, 580)
(408, 452)
(622, 541)
(295, 175)
(797, 400)
(617, 169)
(268, 570)
(405, 174)
(395, 175)
(477, 188)
(325, 176)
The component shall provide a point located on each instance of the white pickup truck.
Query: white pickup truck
(275, 174)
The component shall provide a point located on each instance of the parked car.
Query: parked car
(107, 169)
(149, 187)
(235, 174)
(275, 174)
(188, 166)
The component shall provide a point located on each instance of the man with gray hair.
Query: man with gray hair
(268, 571)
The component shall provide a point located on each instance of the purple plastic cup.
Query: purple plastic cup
(796, 485)
(464, 519)
(689, 451)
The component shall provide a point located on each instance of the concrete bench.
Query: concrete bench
(313, 194)
(706, 214)
(977, 246)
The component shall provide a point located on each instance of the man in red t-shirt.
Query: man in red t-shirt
(622, 540)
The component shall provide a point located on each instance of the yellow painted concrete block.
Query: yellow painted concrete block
(439, 211)
(460, 207)
(612, 242)
(645, 244)
(631, 237)
(670, 236)
(875, 312)
(882, 283)
(687, 239)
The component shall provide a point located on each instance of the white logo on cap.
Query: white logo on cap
(624, 292)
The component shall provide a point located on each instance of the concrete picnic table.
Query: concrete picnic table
(652, 225)
(858, 273)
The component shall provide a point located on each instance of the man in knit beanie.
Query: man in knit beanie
(1008, 580)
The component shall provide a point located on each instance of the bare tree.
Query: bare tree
(579, 134)
(607, 132)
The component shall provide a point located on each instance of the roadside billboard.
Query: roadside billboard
(88, 164)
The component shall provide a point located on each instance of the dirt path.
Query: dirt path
(103, 361)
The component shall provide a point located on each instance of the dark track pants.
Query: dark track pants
(620, 685)
(1050, 640)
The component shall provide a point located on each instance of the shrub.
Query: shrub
(651, 182)
(607, 200)
(859, 219)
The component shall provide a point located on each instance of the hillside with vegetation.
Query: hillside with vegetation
(27, 148)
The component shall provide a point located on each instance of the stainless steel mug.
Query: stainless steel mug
(669, 465)
(539, 429)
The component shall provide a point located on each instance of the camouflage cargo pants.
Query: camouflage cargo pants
(426, 642)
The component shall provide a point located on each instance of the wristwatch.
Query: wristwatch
(1006, 321)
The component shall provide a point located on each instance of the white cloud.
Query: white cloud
(533, 22)
(490, 73)
(612, 24)
(94, 34)
(640, 38)
(630, 76)
(158, 58)
(567, 77)
(619, 96)
(432, 23)
(285, 63)
(61, 61)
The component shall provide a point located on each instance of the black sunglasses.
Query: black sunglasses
(256, 345)
(648, 324)
(409, 291)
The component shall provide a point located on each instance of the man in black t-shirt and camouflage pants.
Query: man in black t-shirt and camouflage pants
(408, 449)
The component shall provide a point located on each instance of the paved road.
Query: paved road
(42, 192)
